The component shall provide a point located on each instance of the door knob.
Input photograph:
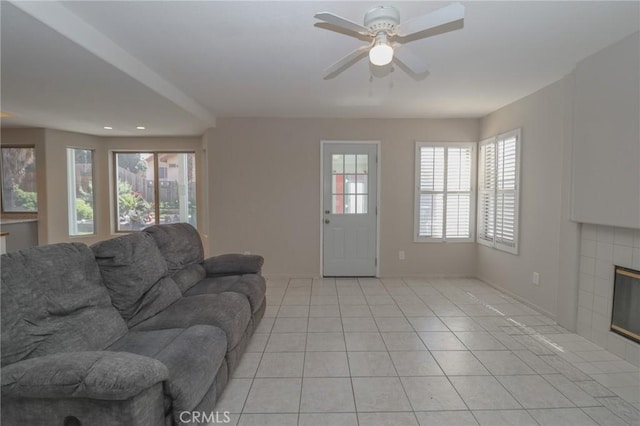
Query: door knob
(326, 221)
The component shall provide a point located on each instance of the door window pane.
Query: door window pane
(349, 178)
(362, 164)
(337, 204)
(349, 163)
(350, 184)
(361, 184)
(337, 184)
(337, 164)
(80, 190)
(361, 204)
(350, 205)
(19, 190)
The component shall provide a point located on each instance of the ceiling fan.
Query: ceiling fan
(382, 27)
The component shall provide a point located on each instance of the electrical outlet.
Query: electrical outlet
(247, 252)
(401, 255)
(535, 279)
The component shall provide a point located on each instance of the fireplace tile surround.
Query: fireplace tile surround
(601, 249)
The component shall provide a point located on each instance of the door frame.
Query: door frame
(324, 143)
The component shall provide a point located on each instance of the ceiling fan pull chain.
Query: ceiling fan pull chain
(370, 85)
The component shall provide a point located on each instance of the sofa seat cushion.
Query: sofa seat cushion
(136, 275)
(53, 301)
(253, 286)
(229, 311)
(192, 355)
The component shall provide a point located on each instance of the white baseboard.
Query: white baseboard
(317, 276)
(431, 276)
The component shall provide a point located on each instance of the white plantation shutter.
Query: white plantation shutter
(458, 209)
(444, 191)
(498, 194)
(431, 191)
(487, 193)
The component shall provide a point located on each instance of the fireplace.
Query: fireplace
(625, 315)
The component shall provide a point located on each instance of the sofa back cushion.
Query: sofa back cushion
(53, 301)
(135, 274)
(179, 243)
(189, 276)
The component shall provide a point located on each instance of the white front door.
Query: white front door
(349, 209)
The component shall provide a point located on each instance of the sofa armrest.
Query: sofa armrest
(97, 375)
(233, 264)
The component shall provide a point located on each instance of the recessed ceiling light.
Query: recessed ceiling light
(140, 127)
(108, 128)
(5, 114)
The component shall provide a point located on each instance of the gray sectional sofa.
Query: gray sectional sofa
(135, 330)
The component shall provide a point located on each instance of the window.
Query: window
(349, 178)
(80, 190)
(145, 197)
(19, 190)
(498, 194)
(444, 191)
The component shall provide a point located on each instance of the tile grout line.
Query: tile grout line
(487, 325)
(448, 380)
(260, 361)
(404, 389)
(304, 355)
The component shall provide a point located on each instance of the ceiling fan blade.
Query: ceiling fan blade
(339, 21)
(437, 18)
(409, 61)
(346, 62)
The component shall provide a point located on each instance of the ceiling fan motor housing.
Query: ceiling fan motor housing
(382, 18)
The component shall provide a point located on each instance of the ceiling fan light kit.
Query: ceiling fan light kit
(383, 26)
(381, 53)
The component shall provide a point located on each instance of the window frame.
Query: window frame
(492, 243)
(113, 193)
(472, 193)
(71, 197)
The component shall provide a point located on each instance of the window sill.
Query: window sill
(441, 241)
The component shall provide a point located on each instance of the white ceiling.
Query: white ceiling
(175, 66)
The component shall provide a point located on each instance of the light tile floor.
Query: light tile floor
(369, 352)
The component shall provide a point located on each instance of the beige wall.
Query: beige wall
(541, 117)
(265, 191)
(580, 157)
(606, 152)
